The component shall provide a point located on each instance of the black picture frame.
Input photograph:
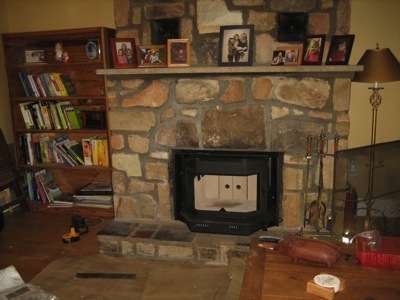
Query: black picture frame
(164, 29)
(313, 49)
(292, 27)
(229, 52)
(340, 49)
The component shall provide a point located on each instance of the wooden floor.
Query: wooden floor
(30, 241)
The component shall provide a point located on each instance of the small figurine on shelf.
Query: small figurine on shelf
(60, 54)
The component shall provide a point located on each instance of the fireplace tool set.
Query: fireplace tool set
(315, 213)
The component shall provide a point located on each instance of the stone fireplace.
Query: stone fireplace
(259, 108)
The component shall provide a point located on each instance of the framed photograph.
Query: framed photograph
(236, 45)
(93, 49)
(123, 53)
(152, 56)
(35, 56)
(340, 49)
(178, 52)
(278, 58)
(313, 49)
(293, 55)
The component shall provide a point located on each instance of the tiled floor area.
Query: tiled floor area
(171, 241)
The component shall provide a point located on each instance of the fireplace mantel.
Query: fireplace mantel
(336, 71)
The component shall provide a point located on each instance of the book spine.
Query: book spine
(61, 87)
(54, 116)
(103, 152)
(61, 116)
(87, 152)
(45, 114)
(36, 147)
(30, 149)
(33, 85)
(22, 149)
(24, 83)
(95, 156)
(26, 116)
(40, 86)
(39, 185)
(68, 85)
(39, 116)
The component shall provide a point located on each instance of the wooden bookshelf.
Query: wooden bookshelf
(87, 50)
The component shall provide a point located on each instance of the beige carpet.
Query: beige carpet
(154, 280)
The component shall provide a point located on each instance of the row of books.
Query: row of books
(50, 115)
(40, 149)
(42, 186)
(95, 194)
(47, 85)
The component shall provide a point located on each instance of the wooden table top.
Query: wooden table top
(272, 275)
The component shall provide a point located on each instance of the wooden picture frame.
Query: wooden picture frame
(340, 49)
(152, 56)
(293, 55)
(236, 45)
(123, 53)
(313, 49)
(35, 57)
(178, 52)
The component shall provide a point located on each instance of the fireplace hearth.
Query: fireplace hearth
(226, 192)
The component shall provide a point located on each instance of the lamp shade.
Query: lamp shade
(380, 65)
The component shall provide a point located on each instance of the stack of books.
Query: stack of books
(95, 194)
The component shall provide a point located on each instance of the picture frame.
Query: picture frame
(340, 49)
(152, 56)
(93, 50)
(36, 56)
(313, 49)
(293, 54)
(178, 53)
(123, 53)
(236, 45)
(292, 26)
(278, 58)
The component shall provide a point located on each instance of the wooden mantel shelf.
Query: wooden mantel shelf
(346, 71)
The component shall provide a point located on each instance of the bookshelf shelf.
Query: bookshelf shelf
(49, 99)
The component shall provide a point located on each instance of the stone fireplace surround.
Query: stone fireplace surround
(206, 107)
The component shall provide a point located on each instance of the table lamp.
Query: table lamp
(380, 65)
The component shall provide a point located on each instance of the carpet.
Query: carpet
(155, 280)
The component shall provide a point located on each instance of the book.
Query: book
(95, 188)
(39, 84)
(54, 115)
(60, 147)
(87, 151)
(61, 115)
(102, 152)
(26, 115)
(50, 187)
(60, 84)
(32, 83)
(46, 115)
(37, 116)
(68, 85)
(24, 82)
(39, 186)
(76, 150)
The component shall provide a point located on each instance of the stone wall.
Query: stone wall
(150, 115)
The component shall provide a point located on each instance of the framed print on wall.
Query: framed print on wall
(123, 53)
(236, 45)
(340, 49)
(293, 55)
(313, 49)
(178, 52)
(152, 56)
